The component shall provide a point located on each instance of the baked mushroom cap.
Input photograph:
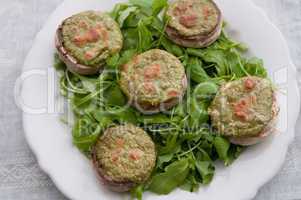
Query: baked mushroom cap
(154, 81)
(124, 156)
(85, 40)
(194, 23)
(245, 110)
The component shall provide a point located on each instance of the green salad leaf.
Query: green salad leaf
(206, 170)
(137, 192)
(157, 6)
(142, 3)
(125, 14)
(174, 176)
(195, 70)
(222, 147)
(171, 47)
(85, 132)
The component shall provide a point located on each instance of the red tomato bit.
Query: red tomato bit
(188, 20)
(173, 93)
(135, 154)
(152, 71)
(249, 84)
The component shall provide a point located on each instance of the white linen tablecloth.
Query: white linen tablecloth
(20, 175)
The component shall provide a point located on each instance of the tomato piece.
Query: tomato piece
(116, 154)
(188, 20)
(149, 87)
(79, 40)
(120, 142)
(135, 154)
(241, 109)
(206, 12)
(152, 71)
(89, 55)
(115, 158)
(249, 84)
(173, 93)
(93, 35)
(242, 115)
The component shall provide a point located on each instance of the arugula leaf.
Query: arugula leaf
(103, 119)
(171, 47)
(234, 63)
(158, 25)
(58, 64)
(206, 170)
(157, 6)
(205, 91)
(142, 3)
(112, 62)
(144, 37)
(127, 115)
(117, 9)
(174, 176)
(114, 96)
(203, 155)
(137, 192)
(164, 159)
(196, 71)
(85, 134)
(126, 56)
(222, 147)
(226, 62)
(80, 106)
(171, 147)
(198, 113)
(191, 184)
(154, 119)
(255, 67)
(125, 14)
(218, 58)
(234, 152)
(130, 38)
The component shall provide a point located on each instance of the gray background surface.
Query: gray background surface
(20, 175)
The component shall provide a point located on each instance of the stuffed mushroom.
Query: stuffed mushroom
(85, 40)
(194, 23)
(124, 156)
(245, 110)
(154, 81)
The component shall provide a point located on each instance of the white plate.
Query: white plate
(72, 172)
